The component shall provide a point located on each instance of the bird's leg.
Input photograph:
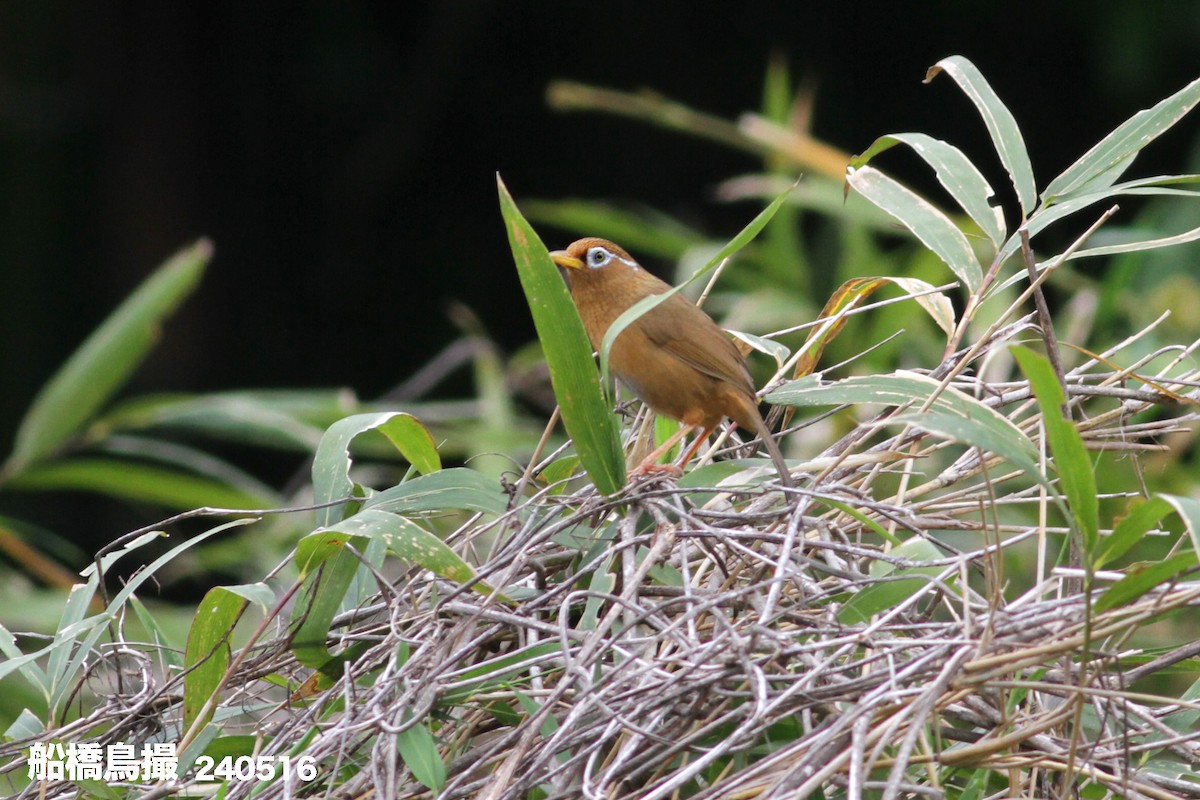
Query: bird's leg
(647, 464)
(701, 439)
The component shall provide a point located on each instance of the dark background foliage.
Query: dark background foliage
(342, 156)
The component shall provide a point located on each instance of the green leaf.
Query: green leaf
(1001, 125)
(414, 441)
(331, 463)
(420, 753)
(1158, 186)
(1111, 155)
(106, 359)
(886, 594)
(75, 610)
(458, 488)
(586, 414)
(1130, 529)
(1071, 461)
(954, 414)
(267, 419)
(955, 173)
(1188, 509)
(327, 568)
(1141, 579)
(935, 230)
(208, 651)
(1135, 246)
(138, 482)
(502, 671)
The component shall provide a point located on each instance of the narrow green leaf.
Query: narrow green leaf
(106, 359)
(327, 568)
(1075, 472)
(980, 430)
(1135, 246)
(935, 230)
(886, 594)
(954, 415)
(503, 671)
(955, 173)
(78, 602)
(414, 441)
(1158, 186)
(245, 417)
(1130, 529)
(1188, 509)
(458, 488)
(1112, 154)
(208, 650)
(1001, 125)
(331, 463)
(770, 347)
(586, 414)
(420, 753)
(258, 593)
(1187, 718)
(1141, 579)
(129, 480)
(25, 726)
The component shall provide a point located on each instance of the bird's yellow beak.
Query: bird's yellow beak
(561, 258)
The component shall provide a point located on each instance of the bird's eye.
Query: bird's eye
(598, 256)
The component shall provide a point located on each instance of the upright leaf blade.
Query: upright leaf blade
(1071, 460)
(106, 359)
(1001, 125)
(585, 412)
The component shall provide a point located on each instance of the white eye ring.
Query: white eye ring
(598, 257)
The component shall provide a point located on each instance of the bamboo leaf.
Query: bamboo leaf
(586, 414)
(1115, 152)
(1075, 472)
(1142, 578)
(935, 230)
(420, 753)
(101, 365)
(457, 488)
(208, 650)
(1001, 125)
(955, 173)
(1130, 529)
(953, 414)
(331, 463)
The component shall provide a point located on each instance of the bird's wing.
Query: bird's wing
(699, 342)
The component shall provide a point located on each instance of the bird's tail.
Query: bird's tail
(764, 433)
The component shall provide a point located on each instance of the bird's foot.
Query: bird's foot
(651, 471)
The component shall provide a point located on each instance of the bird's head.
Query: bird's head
(593, 254)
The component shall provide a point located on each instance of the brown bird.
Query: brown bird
(674, 357)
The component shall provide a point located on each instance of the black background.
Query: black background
(342, 157)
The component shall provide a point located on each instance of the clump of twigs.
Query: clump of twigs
(739, 641)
